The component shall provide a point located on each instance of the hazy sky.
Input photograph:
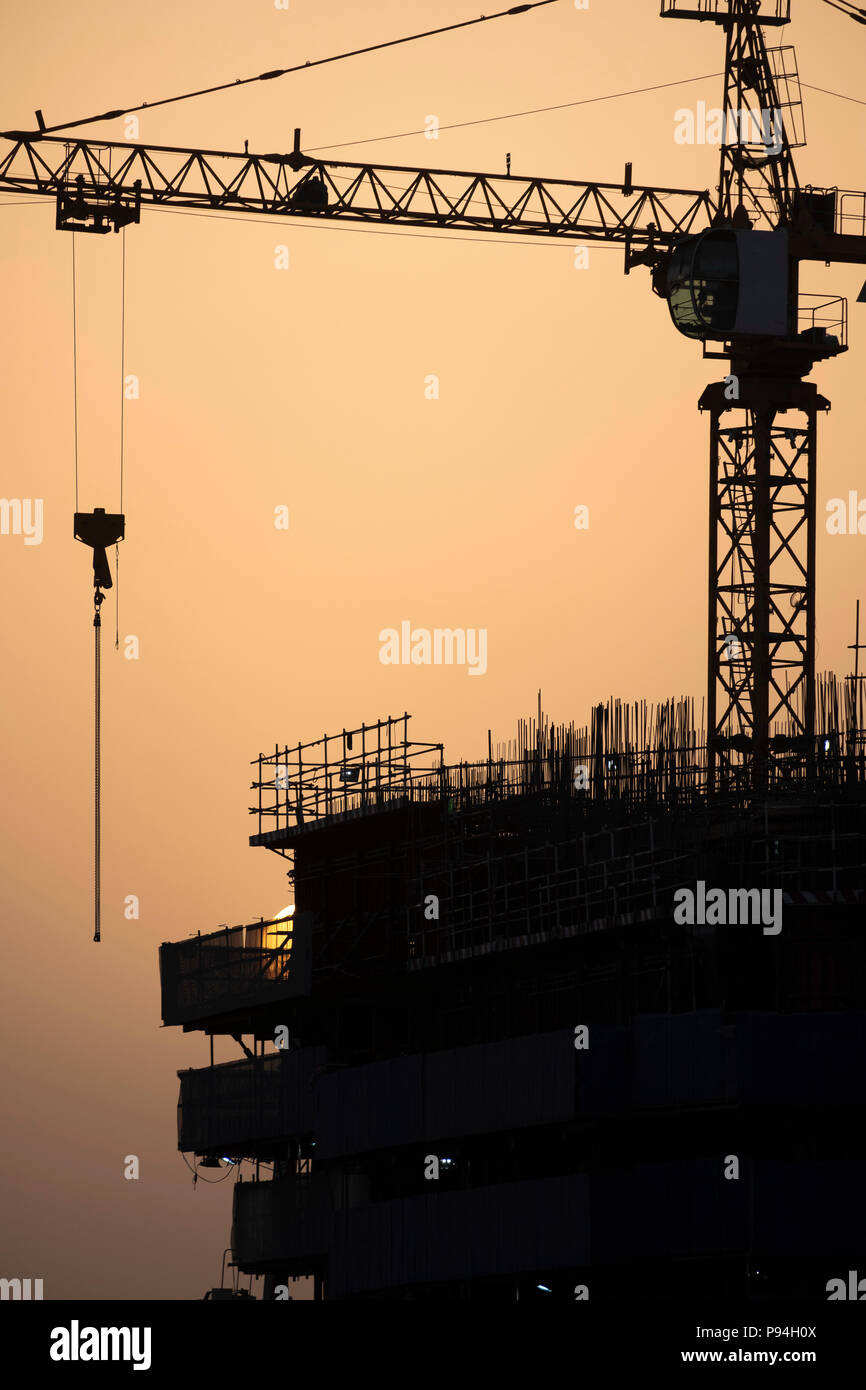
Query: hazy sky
(305, 388)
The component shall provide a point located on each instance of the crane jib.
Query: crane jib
(100, 187)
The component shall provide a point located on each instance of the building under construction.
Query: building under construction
(583, 1019)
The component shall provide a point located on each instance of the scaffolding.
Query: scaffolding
(559, 831)
(637, 757)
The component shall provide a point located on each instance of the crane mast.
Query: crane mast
(736, 289)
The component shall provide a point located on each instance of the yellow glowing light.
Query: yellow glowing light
(278, 937)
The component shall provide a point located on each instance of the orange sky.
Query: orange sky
(305, 388)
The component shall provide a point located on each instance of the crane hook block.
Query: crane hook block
(99, 529)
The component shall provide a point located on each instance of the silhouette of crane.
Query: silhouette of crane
(728, 267)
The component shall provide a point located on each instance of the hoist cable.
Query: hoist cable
(97, 630)
(74, 372)
(299, 67)
(122, 348)
(96, 538)
(122, 398)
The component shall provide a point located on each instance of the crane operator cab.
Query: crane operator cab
(730, 283)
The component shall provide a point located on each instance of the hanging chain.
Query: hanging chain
(97, 768)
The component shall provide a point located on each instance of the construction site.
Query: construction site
(579, 1017)
(585, 1015)
(483, 979)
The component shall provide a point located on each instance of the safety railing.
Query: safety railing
(823, 320)
(768, 11)
(233, 968)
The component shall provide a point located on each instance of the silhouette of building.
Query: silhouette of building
(489, 1056)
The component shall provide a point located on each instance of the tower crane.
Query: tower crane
(727, 265)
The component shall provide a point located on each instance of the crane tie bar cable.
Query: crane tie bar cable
(283, 72)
